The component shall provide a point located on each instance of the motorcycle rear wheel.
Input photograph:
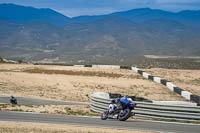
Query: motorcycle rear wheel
(14, 101)
(124, 115)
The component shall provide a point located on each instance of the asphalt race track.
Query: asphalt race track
(97, 122)
(33, 101)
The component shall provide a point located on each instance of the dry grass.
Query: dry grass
(186, 79)
(77, 83)
(51, 109)
(77, 73)
(12, 127)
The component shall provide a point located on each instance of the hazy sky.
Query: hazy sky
(73, 8)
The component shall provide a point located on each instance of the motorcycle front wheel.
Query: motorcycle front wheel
(104, 115)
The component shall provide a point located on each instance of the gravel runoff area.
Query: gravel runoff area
(22, 127)
(188, 80)
(76, 84)
(67, 83)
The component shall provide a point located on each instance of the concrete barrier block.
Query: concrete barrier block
(186, 94)
(101, 95)
(150, 77)
(196, 99)
(164, 82)
(79, 65)
(135, 69)
(140, 72)
(157, 79)
(87, 65)
(146, 75)
(178, 90)
(170, 86)
(106, 66)
(125, 67)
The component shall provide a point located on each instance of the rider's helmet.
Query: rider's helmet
(11, 97)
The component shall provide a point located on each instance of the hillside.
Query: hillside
(44, 35)
(24, 14)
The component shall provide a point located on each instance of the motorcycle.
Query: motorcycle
(13, 100)
(123, 111)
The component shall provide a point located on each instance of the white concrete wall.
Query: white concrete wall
(79, 65)
(106, 66)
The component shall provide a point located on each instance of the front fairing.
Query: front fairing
(127, 103)
(124, 100)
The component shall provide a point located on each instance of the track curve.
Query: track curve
(96, 122)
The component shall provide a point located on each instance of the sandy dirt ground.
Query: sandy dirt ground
(186, 79)
(12, 127)
(77, 83)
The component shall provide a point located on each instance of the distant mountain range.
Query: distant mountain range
(27, 14)
(45, 35)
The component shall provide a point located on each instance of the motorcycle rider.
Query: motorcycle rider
(12, 97)
(13, 100)
(116, 104)
(119, 108)
(113, 105)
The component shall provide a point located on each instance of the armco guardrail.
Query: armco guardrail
(152, 110)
